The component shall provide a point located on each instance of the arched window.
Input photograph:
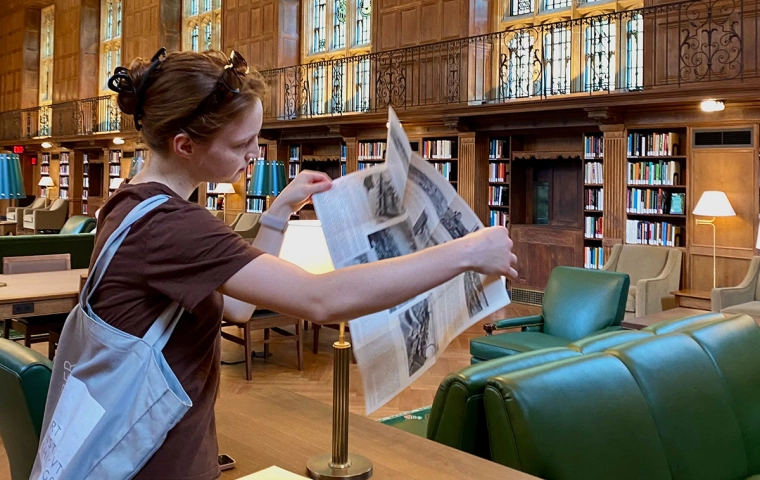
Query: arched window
(110, 41)
(47, 38)
(201, 25)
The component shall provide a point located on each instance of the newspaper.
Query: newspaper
(401, 206)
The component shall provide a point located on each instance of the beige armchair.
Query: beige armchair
(51, 218)
(16, 214)
(743, 298)
(246, 225)
(654, 272)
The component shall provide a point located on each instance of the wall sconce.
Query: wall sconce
(712, 105)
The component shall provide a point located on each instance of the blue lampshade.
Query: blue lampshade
(261, 180)
(11, 181)
(277, 175)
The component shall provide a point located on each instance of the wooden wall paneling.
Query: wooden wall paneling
(615, 188)
(466, 169)
(722, 169)
(480, 179)
(30, 76)
(540, 248)
(289, 39)
(141, 32)
(75, 182)
(170, 31)
(55, 174)
(66, 46)
(12, 46)
(266, 32)
(404, 23)
(89, 49)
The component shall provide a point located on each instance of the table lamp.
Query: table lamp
(46, 182)
(268, 179)
(304, 245)
(224, 189)
(713, 204)
(11, 180)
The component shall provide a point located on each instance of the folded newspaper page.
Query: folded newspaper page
(401, 206)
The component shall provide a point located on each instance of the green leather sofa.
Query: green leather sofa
(78, 245)
(24, 380)
(577, 303)
(78, 224)
(677, 406)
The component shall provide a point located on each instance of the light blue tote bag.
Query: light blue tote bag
(113, 397)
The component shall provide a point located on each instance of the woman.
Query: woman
(201, 114)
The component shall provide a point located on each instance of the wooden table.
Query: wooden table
(44, 293)
(7, 228)
(638, 323)
(271, 426)
(693, 299)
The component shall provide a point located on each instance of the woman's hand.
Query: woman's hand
(490, 252)
(299, 191)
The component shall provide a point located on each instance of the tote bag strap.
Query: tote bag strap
(158, 333)
(112, 245)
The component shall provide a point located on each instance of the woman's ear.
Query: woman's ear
(183, 145)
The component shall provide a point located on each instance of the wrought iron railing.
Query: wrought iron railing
(668, 45)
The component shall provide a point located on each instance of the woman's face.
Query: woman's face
(225, 158)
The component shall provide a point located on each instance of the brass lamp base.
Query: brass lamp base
(359, 468)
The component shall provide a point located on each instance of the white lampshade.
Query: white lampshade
(224, 188)
(714, 204)
(115, 182)
(46, 182)
(304, 245)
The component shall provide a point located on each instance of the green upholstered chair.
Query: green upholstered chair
(579, 418)
(24, 380)
(457, 418)
(603, 341)
(78, 224)
(577, 303)
(679, 324)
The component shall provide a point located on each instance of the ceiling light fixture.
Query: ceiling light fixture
(712, 105)
(118, 141)
(46, 144)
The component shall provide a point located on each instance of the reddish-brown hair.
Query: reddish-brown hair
(180, 83)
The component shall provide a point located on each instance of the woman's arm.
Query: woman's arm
(359, 290)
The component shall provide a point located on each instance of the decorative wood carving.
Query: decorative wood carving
(615, 189)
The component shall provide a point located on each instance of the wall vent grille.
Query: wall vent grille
(530, 297)
(722, 138)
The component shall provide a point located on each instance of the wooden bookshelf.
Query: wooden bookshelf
(371, 153)
(44, 172)
(114, 169)
(499, 177)
(593, 198)
(656, 187)
(85, 183)
(443, 154)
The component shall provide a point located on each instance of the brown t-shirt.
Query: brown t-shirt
(177, 252)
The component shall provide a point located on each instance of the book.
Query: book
(676, 203)
(272, 473)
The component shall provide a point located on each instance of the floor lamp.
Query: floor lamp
(304, 245)
(713, 204)
(224, 189)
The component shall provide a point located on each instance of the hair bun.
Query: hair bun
(126, 82)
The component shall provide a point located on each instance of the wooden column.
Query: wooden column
(466, 168)
(615, 168)
(352, 154)
(76, 164)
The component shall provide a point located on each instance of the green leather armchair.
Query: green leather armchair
(457, 417)
(24, 381)
(578, 302)
(78, 224)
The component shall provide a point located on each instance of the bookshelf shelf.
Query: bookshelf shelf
(63, 175)
(85, 182)
(593, 192)
(499, 180)
(656, 187)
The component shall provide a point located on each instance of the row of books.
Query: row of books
(84, 208)
(64, 169)
(294, 153)
(44, 169)
(498, 196)
(654, 173)
(293, 169)
(114, 170)
(649, 201)
(114, 156)
(498, 217)
(593, 227)
(447, 170)
(653, 233)
(85, 195)
(211, 187)
(212, 203)
(363, 165)
(593, 147)
(437, 149)
(594, 198)
(593, 172)
(498, 150)
(64, 158)
(653, 144)
(593, 257)
(255, 205)
(64, 193)
(63, 182)
(497, 172)
(371, 151)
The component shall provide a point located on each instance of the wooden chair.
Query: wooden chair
(237, 314)
(35, 329)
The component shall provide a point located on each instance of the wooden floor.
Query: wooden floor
(315, 381)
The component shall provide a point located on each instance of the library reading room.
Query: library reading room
(555, 208)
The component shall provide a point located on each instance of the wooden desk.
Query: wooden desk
(270, 426)
(693, 299)
(44, 293)
(638, 323)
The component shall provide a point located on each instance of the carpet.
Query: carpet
(414, 422)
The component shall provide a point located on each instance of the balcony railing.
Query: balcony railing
(697, 41)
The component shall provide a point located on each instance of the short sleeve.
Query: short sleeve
(190, 253)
